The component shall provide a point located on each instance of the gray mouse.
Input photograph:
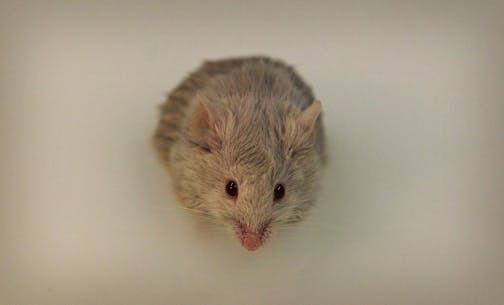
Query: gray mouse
(243, 142)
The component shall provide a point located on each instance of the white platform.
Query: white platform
(412, 206)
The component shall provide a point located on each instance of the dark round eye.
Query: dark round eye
(278, 192)
(232, 188)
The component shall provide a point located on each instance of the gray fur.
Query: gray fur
(242, 119)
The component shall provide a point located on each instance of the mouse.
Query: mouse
(243, 142)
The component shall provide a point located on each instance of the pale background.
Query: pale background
(412, 206)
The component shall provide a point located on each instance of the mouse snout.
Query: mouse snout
(251, 239)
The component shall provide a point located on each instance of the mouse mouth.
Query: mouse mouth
(252, 238)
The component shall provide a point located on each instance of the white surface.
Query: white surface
(411, 211)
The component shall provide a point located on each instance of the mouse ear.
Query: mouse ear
(307, 118)
(202, 125)
(300, 127)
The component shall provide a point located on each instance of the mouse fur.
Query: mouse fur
(252, 120)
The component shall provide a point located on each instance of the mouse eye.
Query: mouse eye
(232, 188)
(278, 192)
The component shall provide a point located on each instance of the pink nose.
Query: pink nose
(252, 239)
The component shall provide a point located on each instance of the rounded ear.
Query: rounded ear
(307, 118)
(202, 127)
(200, 121)
(300, 127)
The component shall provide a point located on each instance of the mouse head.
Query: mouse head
(251, 166)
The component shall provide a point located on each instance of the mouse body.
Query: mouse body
(243, 142)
